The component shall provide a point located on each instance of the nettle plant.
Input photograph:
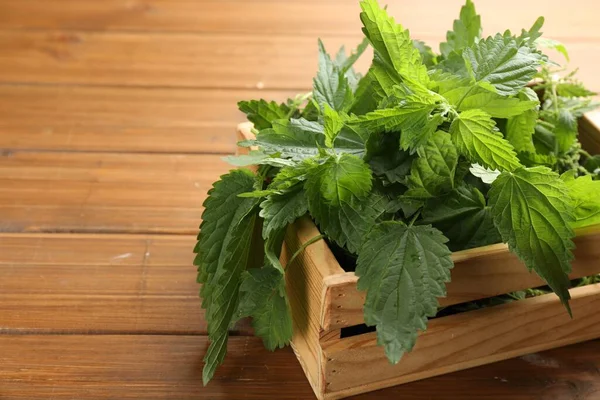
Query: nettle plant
(426, 154)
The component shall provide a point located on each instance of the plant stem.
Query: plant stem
(464, 96)
(301, 249)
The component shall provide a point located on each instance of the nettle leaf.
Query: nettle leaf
(333, 124)
(428, 57)
(584, 193)
(263, 297)
(533, 211)
(339, 179)
(499, 61)
(465, 30)
(573, 89)
(299, 139)
(279, 210)
(412, 116)
(463, 217)
(223, 254)
(392, 43)
(474, 134)
(386, 160)
(520, 129)
(432, 173)
(468, 98)
(403, 269)
(258, 157)
(331, 85)
(553, 45)
(262, 113)
(345, 63)
(592, 164)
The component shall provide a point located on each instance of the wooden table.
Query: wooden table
(114, 115)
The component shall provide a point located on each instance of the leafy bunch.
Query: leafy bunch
(425, 154)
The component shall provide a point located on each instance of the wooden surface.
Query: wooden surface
(113, 117)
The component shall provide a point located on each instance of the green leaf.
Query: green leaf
(553, 45)
(223, 253)
(333, 124)
(331, 86)
(263, 297)
(403, 270)
(586, 201)
(347, 223)
(385, 159)
(463, 217)
(412, 116)
(368, 94)
(258, 158)
(300, 139)
(592, 164)
(262, 113)
(432, 173)
(474, 134)
(533, 211)
(339, 179)
(279, 210)
(520, 129)
(468, 98)
(392, 43)
(573, 89)
(465, 31)
(428, 57)
(498, 60)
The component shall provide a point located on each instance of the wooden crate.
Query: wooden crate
(324, 299)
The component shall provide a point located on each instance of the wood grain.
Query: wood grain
(169, 367)
(70, 283)
(104, 192)
(307, 18)
(122, 119)
(189, 60)
(356, 364)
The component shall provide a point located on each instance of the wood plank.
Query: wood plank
(191, 60)
(170, 367)
(356, 364)
(119, 119)
(311, 17)
(104, 192)
(70, 283)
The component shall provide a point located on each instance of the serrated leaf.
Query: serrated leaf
(553, 45)
(432, 173)
(300, 139)
(279, 210)
(333, 124)
(385, 159)
(403, 270)
(485, 174)
(520, 129)
(499, 61)
(263, 297)
(392, 43)
(584, 193)
(468, 98)
(262, 113)
(412, 117)
(331, 85)
(573, 89)
(428, 57)
(223, 253)
(347, 223)
(339, 179)
(473, 132)
(533, 211)
(463, 217)
(465, 31)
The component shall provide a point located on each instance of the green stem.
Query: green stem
(414, 218)
(301, 249)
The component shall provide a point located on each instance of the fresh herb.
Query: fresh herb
(426, 154)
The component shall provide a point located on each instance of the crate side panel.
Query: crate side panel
(356, 364)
